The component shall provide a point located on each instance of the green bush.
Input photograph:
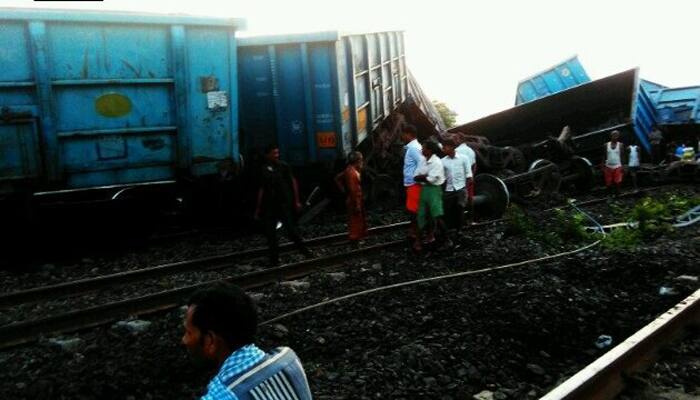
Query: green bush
(571, 225)
(678, 204)
(518, 222)
(619, 211)
(653, 217)
(621, 239)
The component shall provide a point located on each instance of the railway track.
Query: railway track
(210, 263)
(217, 262)
(605, 377)
(27, 331)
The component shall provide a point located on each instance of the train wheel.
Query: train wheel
(545, 177)
(583, 170)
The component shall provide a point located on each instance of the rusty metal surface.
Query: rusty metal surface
(383, 150)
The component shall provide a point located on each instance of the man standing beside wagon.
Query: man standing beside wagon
(457, 175)
(413, 158)
(614, 156)
(466, 152)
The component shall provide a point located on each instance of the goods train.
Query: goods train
(170, 112)
(114, 108)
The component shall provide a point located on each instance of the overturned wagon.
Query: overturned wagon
(592, 110)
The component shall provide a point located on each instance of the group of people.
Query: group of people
(618, 158)
(425, 174)
(221, 321)
(438, 190)
(435, 187)
(278, 203)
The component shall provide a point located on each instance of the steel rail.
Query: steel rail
(81, 286)
(222, 261)
(28, 331)
(604, 378)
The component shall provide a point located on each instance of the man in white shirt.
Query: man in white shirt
(614, 158)
(431, 175)
(633, 163)
(467, 152)
(457, 173)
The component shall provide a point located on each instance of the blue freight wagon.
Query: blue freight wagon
(678, 106)
(562, 76)
(98, 102)
(674, 106)
(592, 110)
(318, 95)
(652, 88)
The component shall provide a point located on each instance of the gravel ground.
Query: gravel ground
(513, 333)
(676, 376)
(103, 262)
(44, 309)
(506, 334)
(155, 285)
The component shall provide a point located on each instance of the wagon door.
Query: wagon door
(20, 158)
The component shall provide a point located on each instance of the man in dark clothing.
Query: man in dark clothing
(278, 201)
(656, 138)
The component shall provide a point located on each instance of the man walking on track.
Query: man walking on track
(278, 201)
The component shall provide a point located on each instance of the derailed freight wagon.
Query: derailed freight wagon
(318, 95)
(102, 105)
(562, 76)
(678, 106)
(592, 110)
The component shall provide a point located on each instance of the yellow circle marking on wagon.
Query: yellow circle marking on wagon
(113, 105)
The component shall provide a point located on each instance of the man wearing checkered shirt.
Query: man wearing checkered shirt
(220, 327)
